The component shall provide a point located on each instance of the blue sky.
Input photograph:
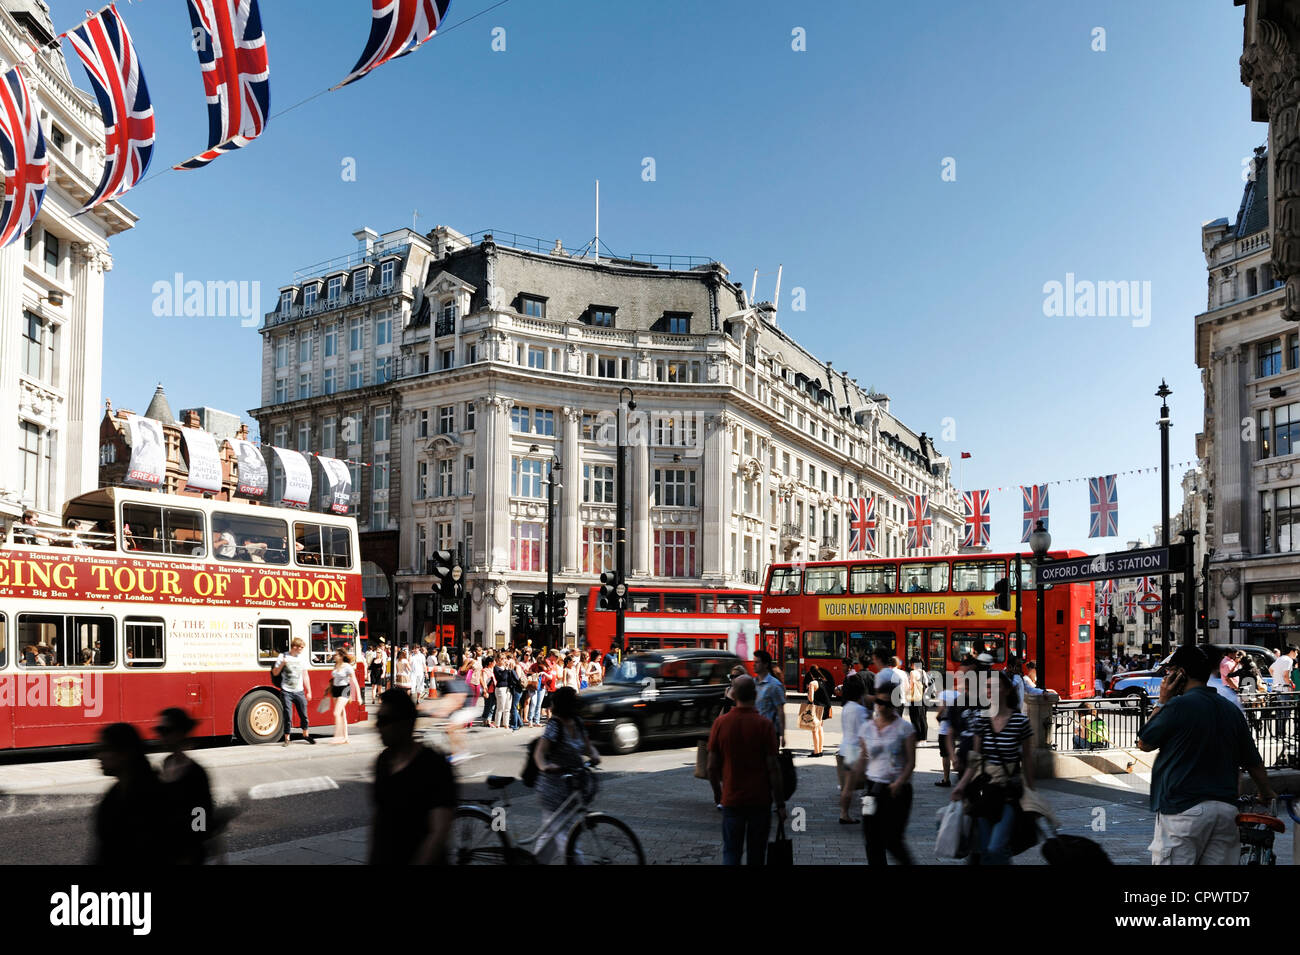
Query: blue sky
(1101, 164)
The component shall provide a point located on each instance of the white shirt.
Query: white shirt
(851, 719)
(1279, 669)
(947, 698)
(886, 749)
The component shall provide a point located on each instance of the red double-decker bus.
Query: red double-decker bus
(143, 601)
(834, 614)
(662, 617)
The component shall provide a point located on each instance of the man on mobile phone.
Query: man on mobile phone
(1203, 741)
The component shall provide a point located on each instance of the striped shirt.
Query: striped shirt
(1003, 747)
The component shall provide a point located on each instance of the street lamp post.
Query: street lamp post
(620, 545)
(1163, 393)
(551, 485)
(1040, 542)
(1189, 589)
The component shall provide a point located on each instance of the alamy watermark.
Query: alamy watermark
(1083, 298)
(178, 298)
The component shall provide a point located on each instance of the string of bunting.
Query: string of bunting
(234, 64)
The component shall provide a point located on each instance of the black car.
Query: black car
(657, 694)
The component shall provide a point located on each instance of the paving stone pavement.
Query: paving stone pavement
(673, 815)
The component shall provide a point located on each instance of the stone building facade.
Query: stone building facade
(508, 362)
(1247, 501)
(52, 288)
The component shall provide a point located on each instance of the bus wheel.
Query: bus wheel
(626, 737)
(260, 718)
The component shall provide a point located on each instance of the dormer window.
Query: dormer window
(359, 281)
(600, 316)
(387, 271)
(286, 302)
(335, 288)
(677, 323)
(309, 293)
(534, 306)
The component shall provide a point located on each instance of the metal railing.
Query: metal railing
(749, 576)
(1100, 724)
(1274, 720)
(792, 531)
(1083, 725)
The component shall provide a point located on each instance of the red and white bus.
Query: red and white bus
(663, 617)
(834, 614)
(143, 601)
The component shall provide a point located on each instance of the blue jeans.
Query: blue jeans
(489, 706)
(294, 700)
(744, 831)
(515, 720)
(535, 705)
(995, 837)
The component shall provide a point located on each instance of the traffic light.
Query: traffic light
(608, 598)
(559, 608)
(1112, 624)
(447, 573)
(1200, 620)
(1002, 594)
(539, 604)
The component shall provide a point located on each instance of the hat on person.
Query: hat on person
(174, 720)
(985, 658)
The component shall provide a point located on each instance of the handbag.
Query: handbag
(953, 826)
(702, 760)
(806, 718)
(324, 705)
(780, 851)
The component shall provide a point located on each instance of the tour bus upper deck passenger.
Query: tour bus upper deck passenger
(147, 524)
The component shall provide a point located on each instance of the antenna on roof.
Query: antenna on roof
(597, 221)
(776, 299)
(414, 215)
(753, 287)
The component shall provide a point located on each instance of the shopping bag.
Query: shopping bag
(781, 850)
(806, 717)
(324, 705)
(949, 843)
(702, 760)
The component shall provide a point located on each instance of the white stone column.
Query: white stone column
(11, 314)
(83, 373)
(1231, 452)
(714, 483)
(494, 416)
(642, 544)
(568, 519)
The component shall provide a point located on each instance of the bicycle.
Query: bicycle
(593, 838)
(1259, 829)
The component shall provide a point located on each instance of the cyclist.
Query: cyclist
(563, 749)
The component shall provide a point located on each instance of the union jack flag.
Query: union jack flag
(977, 518)
(1035, 509)
(105, 48)
(1146, 585)
(397, 27)
(22, 150)
(918, 521)
(1103, 500)
(236, 74)
(862, 524)
(1104, 601)
(1130, 603)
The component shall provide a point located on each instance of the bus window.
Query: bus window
(709, 603)
(144, 641)
(66, 640)
(827, 644)
(4, 643)
(322, 545)
(679, 603)
(968, 643)
(272, 640)
(825, 580)
(643, 603)
(977, 575)
(913, 638)
(784, 580)
(863, 644)
(757, 604)
(327, 637)
(175, 531)
(257, 540)
(878, 579)
(734, 604)
(925, 578)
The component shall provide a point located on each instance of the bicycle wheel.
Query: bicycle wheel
(474, 841)
(598, 839)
